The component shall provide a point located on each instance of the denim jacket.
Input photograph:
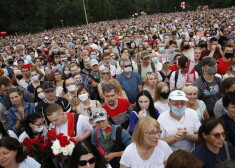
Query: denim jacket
(12, 119)
(126, 138)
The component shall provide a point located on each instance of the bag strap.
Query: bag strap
(227, 150)
(139, 69)
(119, 136)
(176, 77)
(76, 116)
(152, 66)
(101, 150)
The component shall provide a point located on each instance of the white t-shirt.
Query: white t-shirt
(25, 135)
(83, 125)
(131, 158)
(11, 134)
(161, 107)
(169, 127)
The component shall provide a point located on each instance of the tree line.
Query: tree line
(20, 16)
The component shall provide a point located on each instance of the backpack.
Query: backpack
(140, 68)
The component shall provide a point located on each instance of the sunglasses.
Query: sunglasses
(105, 73)
(101, 114)
(84, 162)
(218, 135)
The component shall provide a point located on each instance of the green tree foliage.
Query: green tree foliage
(19, 16)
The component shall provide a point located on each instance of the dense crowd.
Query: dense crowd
(152, 91)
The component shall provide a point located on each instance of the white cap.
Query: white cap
(99, 114)
(165, 59)
(93, 62)
(177, 95)
(46, 38)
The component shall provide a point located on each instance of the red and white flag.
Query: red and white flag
(182, 5)
(191, 67)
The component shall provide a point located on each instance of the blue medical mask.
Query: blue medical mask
(55, 50)
(127, 69)
(154, 59)
(179, 112)
(93, 56)
(161, 49)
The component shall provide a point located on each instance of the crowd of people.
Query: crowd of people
(123, 90)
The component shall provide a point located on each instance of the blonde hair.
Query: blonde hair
(158, 90)
(53, 108)
(117, 85)
(142, 125)
(146, 81)
(101, 75)
(190, 89)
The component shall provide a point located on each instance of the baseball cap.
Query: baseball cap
(164, 60)
(177, 95)
(93, 62)
(48, 86)
(208, 61)
(99, 114)
(145, 54)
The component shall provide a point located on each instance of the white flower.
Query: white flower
(65, 151)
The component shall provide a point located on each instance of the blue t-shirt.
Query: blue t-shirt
(210, 159)
(130, 85)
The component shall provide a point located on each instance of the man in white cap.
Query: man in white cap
(110, 140)
(179, 125)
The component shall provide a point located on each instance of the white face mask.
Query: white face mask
(83, 97)
(39, 128)
(34, 78)
(71, 88)
(66, 72)
(41, 95)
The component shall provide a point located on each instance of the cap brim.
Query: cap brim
(49, 89)
(178, 98)
(100, 119)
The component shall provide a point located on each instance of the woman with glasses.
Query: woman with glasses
(212, 150)
(20, 109)
(193, 102)
(161, 94)
(146, 149)
(151, 81)
(144, 107)
(34, 127)
(85, 155)
(105, 76)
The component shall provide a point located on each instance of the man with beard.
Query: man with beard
(118, 109)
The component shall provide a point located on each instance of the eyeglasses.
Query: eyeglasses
(127, 66)
(153, 133)
(101, 114)
(105, 73)
(218, 135)
(84, 162)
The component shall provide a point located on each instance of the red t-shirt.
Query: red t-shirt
(222, 66)
(120, 114)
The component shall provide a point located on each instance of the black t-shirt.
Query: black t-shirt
(42, 106)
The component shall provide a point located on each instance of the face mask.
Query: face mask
(179, 112)
(19, 77)
(34, 78)
(10, 62)
(161, 49)
(234, 69)
(186, 47)
(79, 81)
(93, 56)
(203, 45)
(71, 88)
(127, 69)
(173, 49)
(39, 128)
(155, 59)
(83, 97)
(212, 70)
(66, 72)
(190, 35)
(55, 51)
(41, 95)
(87, 47)
(228, 55)
(164, 95)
